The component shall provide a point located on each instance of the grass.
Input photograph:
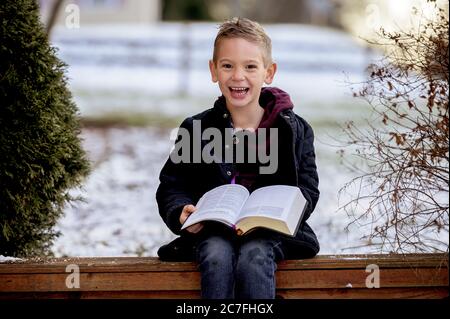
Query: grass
(136, 119)
(327, 119)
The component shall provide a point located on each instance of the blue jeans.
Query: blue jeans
(241, 267)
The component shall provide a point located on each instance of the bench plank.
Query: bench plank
(325, 276)
(137, 264)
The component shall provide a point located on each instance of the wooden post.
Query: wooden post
(185, 59)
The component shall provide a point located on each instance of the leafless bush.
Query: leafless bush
(403, 185)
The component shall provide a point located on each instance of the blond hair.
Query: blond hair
(246, 29)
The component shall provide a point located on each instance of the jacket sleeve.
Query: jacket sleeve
(173, 191)
(308, 179)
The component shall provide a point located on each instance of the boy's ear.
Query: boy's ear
(213, 70)
(270, 73)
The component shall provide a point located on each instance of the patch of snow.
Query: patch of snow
(120, 215)
(4, 259)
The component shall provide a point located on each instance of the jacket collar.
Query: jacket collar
(274, 100)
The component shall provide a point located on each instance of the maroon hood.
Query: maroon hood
(273, 100)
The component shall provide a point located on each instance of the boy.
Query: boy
(234, 266)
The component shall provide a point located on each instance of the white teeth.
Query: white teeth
(239, 89)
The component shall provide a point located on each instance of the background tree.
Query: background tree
(191, 10)
(40, 151)
(403, 186)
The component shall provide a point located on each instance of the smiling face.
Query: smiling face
(240, 72)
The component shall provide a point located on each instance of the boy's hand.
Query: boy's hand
(187, 210)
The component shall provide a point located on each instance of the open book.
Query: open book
(277, 207)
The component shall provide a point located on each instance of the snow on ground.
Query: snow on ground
(120, 217)
(6, 259)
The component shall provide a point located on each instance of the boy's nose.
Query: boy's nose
(238, 75)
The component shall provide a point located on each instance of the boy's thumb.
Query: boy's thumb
(191, 208)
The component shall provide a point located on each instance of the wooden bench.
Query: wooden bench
(325, 276)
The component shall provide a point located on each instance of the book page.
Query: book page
(222, 203)
(271, 201)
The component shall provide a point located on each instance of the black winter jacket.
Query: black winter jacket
(185, 183)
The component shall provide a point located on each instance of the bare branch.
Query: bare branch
(402, 187)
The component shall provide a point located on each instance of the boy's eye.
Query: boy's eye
(252, 66)
(226, 66)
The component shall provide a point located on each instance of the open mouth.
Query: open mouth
(238, 91)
